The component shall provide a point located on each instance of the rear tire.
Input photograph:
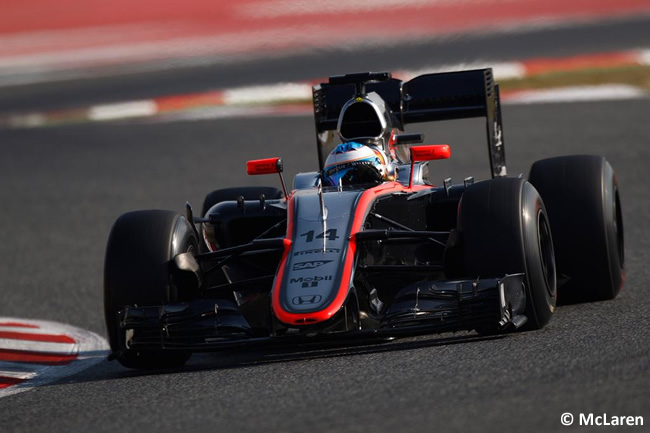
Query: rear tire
(584, 208)
(140, 248)
(505, 230)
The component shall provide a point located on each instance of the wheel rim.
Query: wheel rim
(546, 253)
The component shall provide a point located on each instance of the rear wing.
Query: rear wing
(426, 98)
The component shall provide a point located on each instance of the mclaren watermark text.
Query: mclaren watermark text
(601, 419)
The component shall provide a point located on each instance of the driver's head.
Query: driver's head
(354, 163)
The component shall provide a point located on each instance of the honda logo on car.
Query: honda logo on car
(307, 299)
(310, 281)
(309, 265)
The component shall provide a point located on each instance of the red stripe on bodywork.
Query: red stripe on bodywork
(36, 357)
(6, 382)
(363, 206)
(275, 297)
(48, 338)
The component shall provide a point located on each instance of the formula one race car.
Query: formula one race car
(367, 247)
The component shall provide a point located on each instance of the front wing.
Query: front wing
(423, 308)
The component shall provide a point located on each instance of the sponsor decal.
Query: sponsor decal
(316, 251)
(301, 266)
(306, 299)
(309, 281)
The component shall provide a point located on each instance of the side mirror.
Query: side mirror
(430, 152)
(427, 153)
(264, 166)
(267, 166)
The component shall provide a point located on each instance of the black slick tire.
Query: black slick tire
(505, 230)
(582, 198)
(140, 248)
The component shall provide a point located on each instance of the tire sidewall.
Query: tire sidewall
(541, 288)
(613, 224)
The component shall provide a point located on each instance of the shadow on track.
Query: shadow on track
(246, 358)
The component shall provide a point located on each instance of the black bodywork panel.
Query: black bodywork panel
(426, 98)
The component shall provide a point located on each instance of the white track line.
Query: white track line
(29, 120)
(578, 94)
(209, 113)
(122, 110)
(644, 57)
(501, 70)
(267, 94)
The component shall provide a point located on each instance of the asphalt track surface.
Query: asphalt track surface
(212, 73)
(62, 188)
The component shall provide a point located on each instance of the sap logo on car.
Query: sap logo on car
(316, 251)
(309, 265)
(306, 299)
(310, 281)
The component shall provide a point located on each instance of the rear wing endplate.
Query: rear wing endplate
(426, 98)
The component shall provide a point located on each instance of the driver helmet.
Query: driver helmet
(355, 163)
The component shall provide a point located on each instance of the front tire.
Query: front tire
(140, 249)
(505, 230)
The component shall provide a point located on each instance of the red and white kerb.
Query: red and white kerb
(36, 352)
